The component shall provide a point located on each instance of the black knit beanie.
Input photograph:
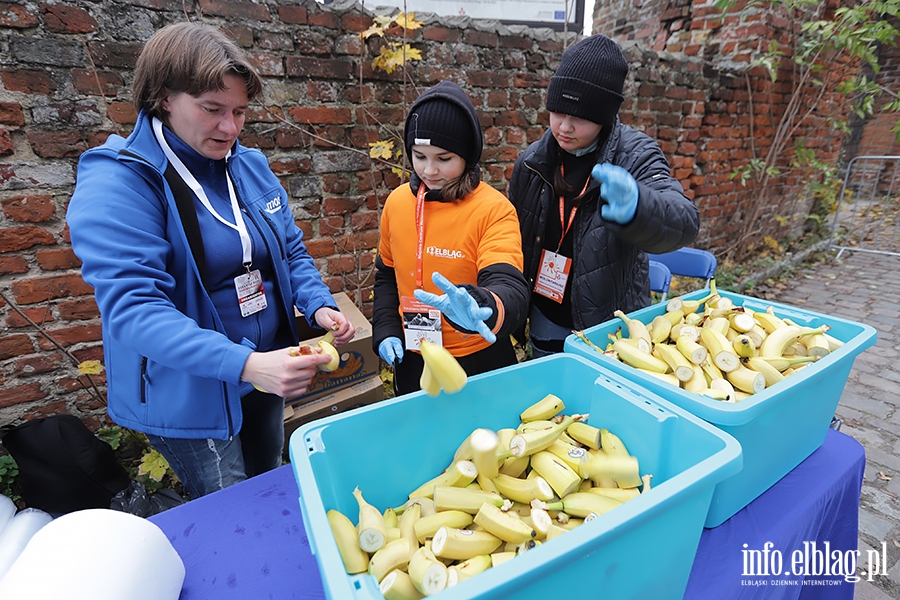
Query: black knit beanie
(589, 81)
(443, 123)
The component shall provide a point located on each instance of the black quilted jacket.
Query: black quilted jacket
(610, 267)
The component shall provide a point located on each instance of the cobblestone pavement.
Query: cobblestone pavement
(865, 287)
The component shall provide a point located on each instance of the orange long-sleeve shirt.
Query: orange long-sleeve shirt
(461, 238)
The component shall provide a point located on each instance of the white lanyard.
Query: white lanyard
(191, 181)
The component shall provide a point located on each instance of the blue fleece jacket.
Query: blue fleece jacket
(172, 369)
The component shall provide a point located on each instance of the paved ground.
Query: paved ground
(865, 287)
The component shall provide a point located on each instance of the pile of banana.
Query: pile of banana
(724, 351)
(504, 493)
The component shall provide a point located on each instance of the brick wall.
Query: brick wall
(734, 113)
(65, 75)
(875, 135)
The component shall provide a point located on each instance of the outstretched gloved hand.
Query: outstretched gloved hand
(620, 191)
(391, 349)
(459, 306)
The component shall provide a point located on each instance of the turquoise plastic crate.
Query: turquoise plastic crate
(642, 549)
(778, 427)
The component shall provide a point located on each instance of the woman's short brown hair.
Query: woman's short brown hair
(193, 58)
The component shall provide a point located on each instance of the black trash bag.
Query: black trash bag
(136, 501)
(63, 466)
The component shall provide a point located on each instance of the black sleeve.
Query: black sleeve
(665, 219)
(386, 320)
(508, 284)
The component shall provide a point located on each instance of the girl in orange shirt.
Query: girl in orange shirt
(449, 265)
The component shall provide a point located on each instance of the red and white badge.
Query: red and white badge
(250, 292)
(552, 276)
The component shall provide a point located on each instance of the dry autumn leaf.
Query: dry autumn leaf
(381, 149)
(408, 21)
(90, 367)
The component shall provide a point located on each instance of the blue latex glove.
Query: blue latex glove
(391, 349)
(459, 306)
(620, 191)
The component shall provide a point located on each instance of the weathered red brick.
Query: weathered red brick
(6, 143)
(441, 34)
(67, 19)
(324, 19)
(320, 248)
(16, 344)
(89, 352)
(29, 81)
(57, 144)
(73, 384)
(20, 238)
(41, 289)
(71, 335)
(85, 81)
(11, 114)
(122, 112)
(114, 54)
(333, 183)
(289, 166)
(488, 79)
(262, 141)
(341, 206)
(35, 365)
(295, 15)
(57, 259)
(364, 221)
(21, 394)
(13, 264)
(241, 10)
(29, 209)
(292, 138)
(358, 241)
(24, 317)
(354, 21)
(18, 16)
(79, 309)
(480, 38)
(320, 115)
(325, 68)
(340, 264)
(268, 64)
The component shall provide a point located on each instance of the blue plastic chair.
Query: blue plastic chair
(688, 262)
(660, 278)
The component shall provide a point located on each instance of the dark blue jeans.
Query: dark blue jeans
(543, 329)
(208, 465)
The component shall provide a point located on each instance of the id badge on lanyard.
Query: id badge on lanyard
(554, 270)
(420, 321)
(251, 295)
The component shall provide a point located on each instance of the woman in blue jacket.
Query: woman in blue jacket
(593, 197)
(197, 265)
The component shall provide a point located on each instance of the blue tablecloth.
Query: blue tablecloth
(248, 542)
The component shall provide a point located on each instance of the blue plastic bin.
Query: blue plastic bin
(778, 427)
(642, 549)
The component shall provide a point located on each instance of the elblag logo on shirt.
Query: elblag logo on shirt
(274, 204)
(444, 252)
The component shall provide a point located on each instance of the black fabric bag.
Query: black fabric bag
(63, 467)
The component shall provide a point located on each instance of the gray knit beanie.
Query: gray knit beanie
(589, 81)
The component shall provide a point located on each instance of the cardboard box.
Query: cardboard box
(358, 359)
(361, 393)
